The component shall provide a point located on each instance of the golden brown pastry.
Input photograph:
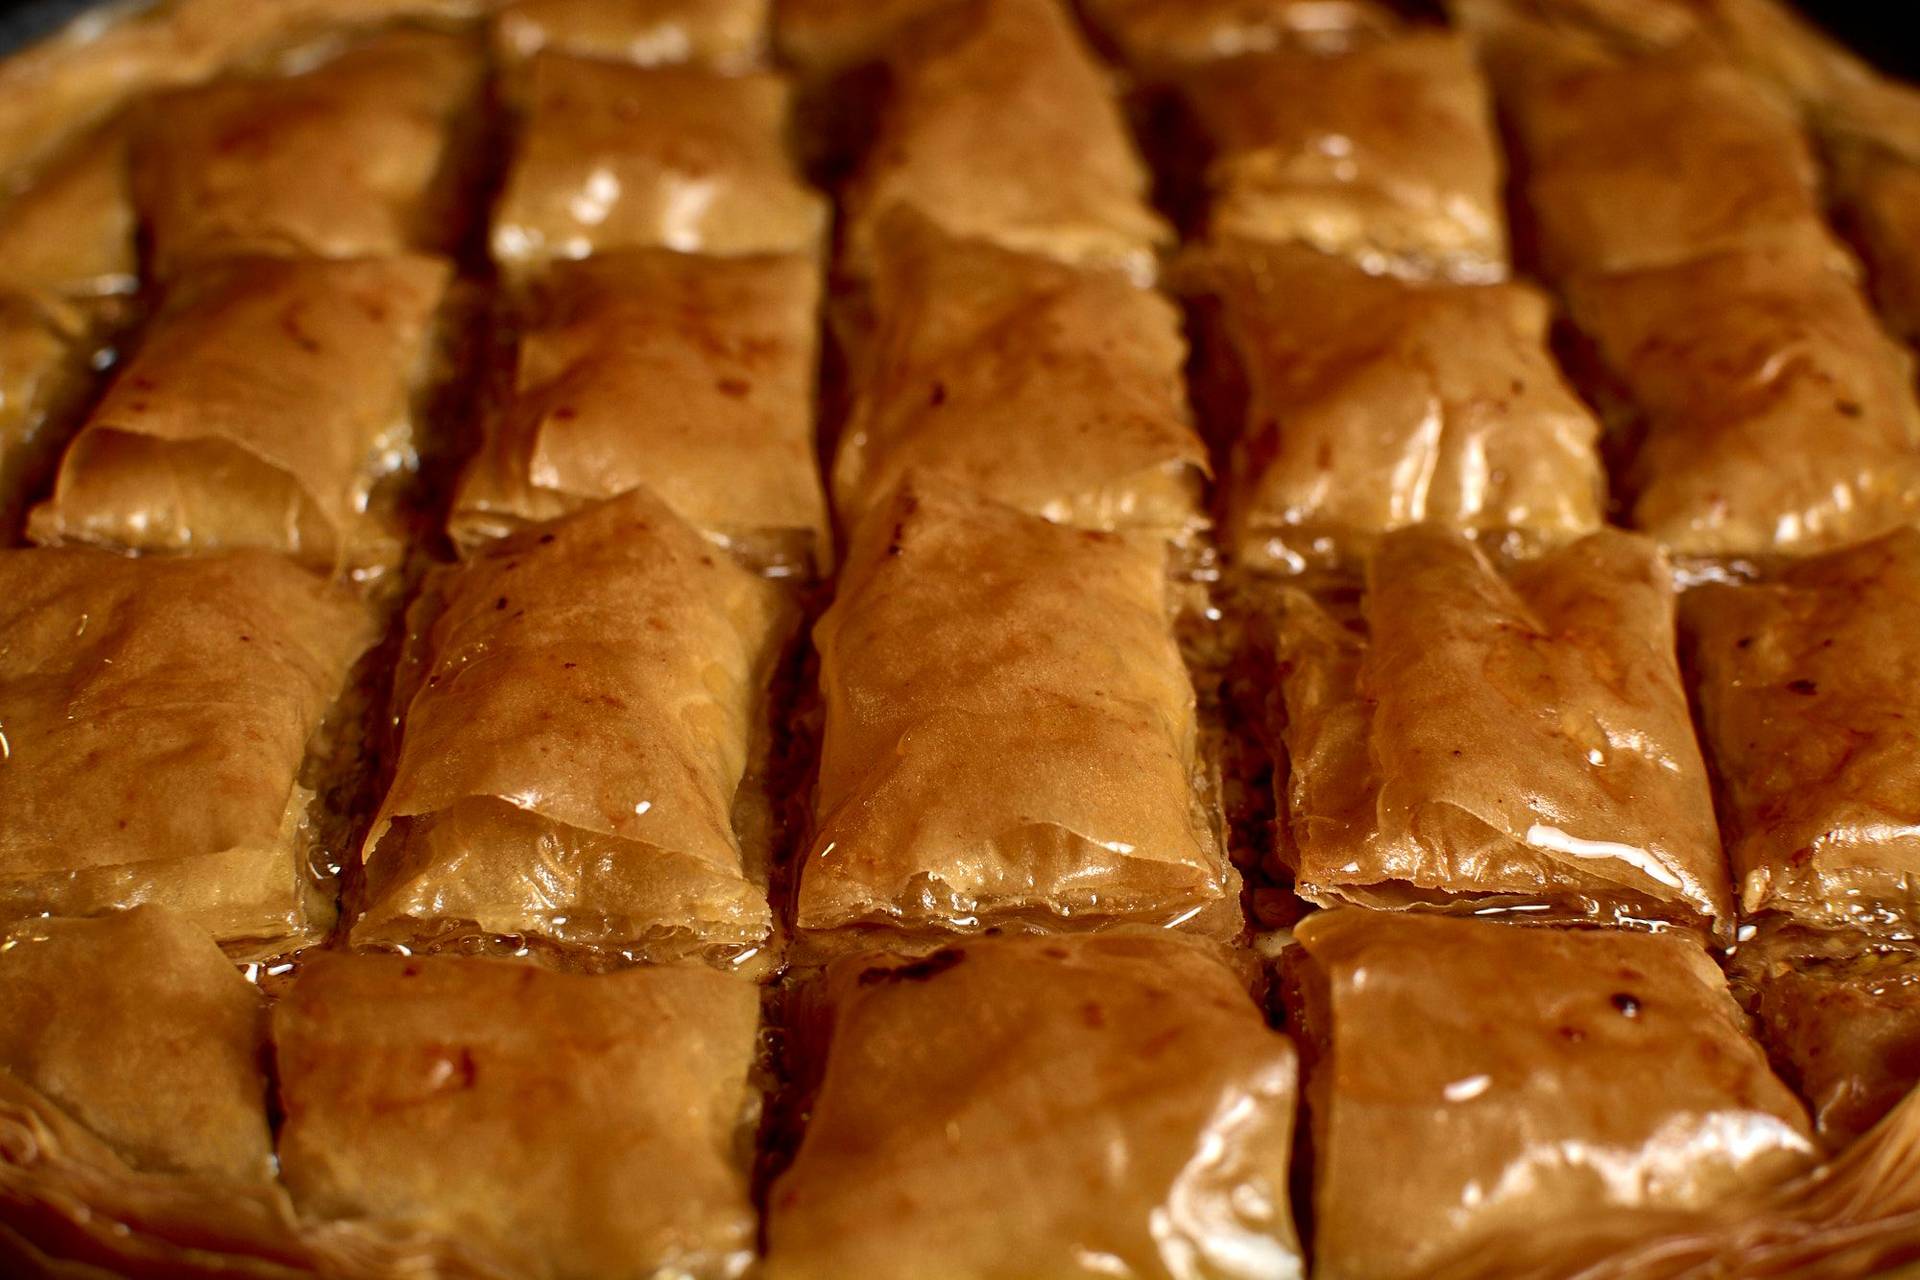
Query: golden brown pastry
(1473, 1083)
(1020, 1109)
(265, 406)
(1156, 36)
(689, 374)
(1010, 733)
(137, 1026)
(45, 372)
(1879, 197)
(68, 228)
(1053, 388)
(1662, 160)
(163, 735)
(1809, 694)
(1491, 741)
(365, 155)
(826, 37)
(623, 157)
(1777, 416)
(728, 35)
(1372, 404)
(584, 710)
(1385, 154)
(986, 104)
(577, 1127)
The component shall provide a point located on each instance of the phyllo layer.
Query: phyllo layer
(1385, 154)
(985, 102)
(1025, 1108)
(1010, 733)
(1809, 693)
(369, 154)
(579, 706)
(688, 374)
(1053, 388)
(163, 736)
(574, 1127)
(1491, 740)
(1475, 1087)
(69, 227)
(612, 156)
(265, 406)
(1372, 403)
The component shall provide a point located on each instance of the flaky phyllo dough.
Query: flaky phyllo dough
(578, 707)
(987, 99)
(623, 157)
(1514, 740)
(1385, 154)
(689, 374)
(1010, 732)
(266, 405)
(1111, 1104)
(1372, 403)
(163, 736)
(1053, 388)
(1480, 1089)
(1809, 688)
(363, 155)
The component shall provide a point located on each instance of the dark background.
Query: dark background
(1877, 28)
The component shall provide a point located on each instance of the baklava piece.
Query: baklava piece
(622, 157)
(1840, 1013)
(1878, 194)
(1385, 155)
(1010, 734)
(1372, 403)
(136, 1026)
(573, 1127)
(166, 730)
(985, 104)
(1475, 1087)
(1155, 37)
(1809, 694)
(69, 229)
(691, 375)
(579, 706)
(272, 404)
(1049, 387)
(366, 155)
(45, 374)
(727, 35)
(1488, 741)
(1774, 416)
(1088, 1106)
(1662, 160)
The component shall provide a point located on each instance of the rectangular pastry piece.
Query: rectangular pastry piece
(46, 371)
(579, 706)
(135, 1025)
(1774, 416)
(1373, 403)
(571, 1127)
(1159, 37)
(1385, 154)
(1488, 741)
(623, 157)
(1049, 387)
(1010, 733)
(688, 374)
(727, 35)
(1840, 1013)
(1478, 1089)
(1809, 696)
(271, 403)
(1015, 1108)
(1001, 125)
(166, 727)
(371, 153)
(1662, 160)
